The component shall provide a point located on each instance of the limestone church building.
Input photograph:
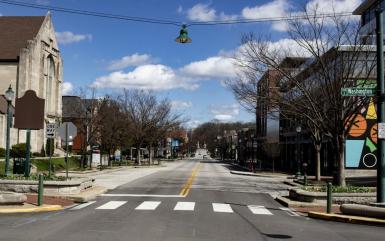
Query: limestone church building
(30, 60)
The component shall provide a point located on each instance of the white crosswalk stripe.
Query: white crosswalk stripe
(259, 210)
(148, 205)
(222, 208)
(185, 206)
(83, 205)
(112, 205)
(290, 212)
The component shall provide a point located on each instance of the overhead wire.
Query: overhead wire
(168, 21)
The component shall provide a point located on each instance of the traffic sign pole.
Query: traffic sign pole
(66, 158)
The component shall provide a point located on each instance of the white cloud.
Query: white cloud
(272, 9)
(211, 68)
(147, 77)
(66, 88)
(193, 124)
(68, 37)
(330, 6)
(181, 105)
(225, 112)
(203, 12)
(130, 60)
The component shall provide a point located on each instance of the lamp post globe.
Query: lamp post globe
(9, 94)
(298, 129)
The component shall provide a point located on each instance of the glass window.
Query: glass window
(49, 84)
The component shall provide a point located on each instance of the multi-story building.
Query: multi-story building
(267, 113)
(367, 11)
(30, 60)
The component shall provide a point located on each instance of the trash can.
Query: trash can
(18, 166)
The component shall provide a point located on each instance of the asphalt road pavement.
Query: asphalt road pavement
(195, 200)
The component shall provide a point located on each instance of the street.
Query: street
(189, 200)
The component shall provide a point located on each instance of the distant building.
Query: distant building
(30, 60)
(81, 112)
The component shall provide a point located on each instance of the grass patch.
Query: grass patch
(339, 189)
(59, 164)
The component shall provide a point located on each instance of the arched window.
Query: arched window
(50, 83)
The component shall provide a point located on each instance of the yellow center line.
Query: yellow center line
(186, 188)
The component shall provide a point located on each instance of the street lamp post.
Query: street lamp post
(9, 94)
(298, 130)
(252, 152)
(380, 106)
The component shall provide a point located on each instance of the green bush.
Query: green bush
(19, 150)
(38, 154)
(2, 152)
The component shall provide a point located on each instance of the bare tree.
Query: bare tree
(149, 118)
(311, 94)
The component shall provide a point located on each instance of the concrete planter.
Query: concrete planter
(10, 198)
(50, 187)
(340, 198)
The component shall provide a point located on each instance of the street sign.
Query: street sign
(358, 91)
(50, 130)
(69, 128)
(381, 131)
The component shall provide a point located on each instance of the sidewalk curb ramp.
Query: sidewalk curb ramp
(31, 209)
(347, 218)
(85, 196)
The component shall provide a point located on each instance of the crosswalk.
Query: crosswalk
(182, 206)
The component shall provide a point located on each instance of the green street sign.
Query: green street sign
(358, 91)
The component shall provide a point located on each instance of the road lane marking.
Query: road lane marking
(290, 212)
(137, 195)
(148, 205)
(83, 205)
(185, 206)
(186, 188)
(222, 208)
(259, 210)
(112, 205)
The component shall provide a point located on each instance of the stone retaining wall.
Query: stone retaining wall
(339, 198)
(50, 187)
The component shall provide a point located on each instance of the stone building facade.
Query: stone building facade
(30, 60)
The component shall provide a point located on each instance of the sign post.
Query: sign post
(50, 135)
(67, 131)
(29, 115)
(358, 91)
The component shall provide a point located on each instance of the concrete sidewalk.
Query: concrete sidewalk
(260, 174)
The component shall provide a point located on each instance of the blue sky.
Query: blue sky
(114, 54)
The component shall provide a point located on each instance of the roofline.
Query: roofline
(363, 7)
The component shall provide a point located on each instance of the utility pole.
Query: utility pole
(380, 107)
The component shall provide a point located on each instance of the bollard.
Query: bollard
(305, 179)
(329, 198)
(40, 190)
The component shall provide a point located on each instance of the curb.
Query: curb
(45, 208)
(256, 175)
(347, 218)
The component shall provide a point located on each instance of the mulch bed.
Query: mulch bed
(32, 199)
(318, 209)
